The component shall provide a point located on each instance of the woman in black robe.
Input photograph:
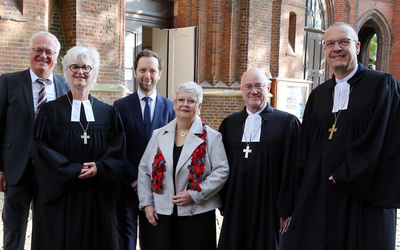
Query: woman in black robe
(79, 150)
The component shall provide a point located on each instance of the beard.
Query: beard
(145, 86)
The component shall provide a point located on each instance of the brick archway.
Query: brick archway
(373, 22)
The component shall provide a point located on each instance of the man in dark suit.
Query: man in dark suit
(142, 112)
(21, 95)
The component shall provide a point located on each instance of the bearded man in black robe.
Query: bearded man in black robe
(350, 160)
(79, 152)
(260, 143)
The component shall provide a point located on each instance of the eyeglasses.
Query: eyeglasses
(342, 42)
(39, 51)
(249, 87)
(182, 101)
(75, 68)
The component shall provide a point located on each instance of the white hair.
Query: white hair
(48, 34)
(82, 55)
(190, 87)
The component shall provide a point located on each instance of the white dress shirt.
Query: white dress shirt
(50, 89)
(342, 92)
(252, 126)
(152, 102)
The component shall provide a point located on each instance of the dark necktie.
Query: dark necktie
(42, 98)
(146, 117)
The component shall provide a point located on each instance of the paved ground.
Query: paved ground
(219, 221)
(29, 230)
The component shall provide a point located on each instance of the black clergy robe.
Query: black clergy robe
(75, 214)
(260, 189)
(363, 157)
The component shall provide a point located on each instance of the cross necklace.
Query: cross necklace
(247, 150)
(333, 129)
(84, 136)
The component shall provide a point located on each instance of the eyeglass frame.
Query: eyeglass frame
(248, 88)
(340, 42)
(47, 52)
(190, 103)
(80, 67)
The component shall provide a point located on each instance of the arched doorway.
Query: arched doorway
(371, 24)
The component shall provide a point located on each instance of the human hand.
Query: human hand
(331, 179)
(182, 199)
(3, 182)
(89, 170)
(151, 215)
(284, 224)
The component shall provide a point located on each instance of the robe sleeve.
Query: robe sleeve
(287, 191)
(224, 190)
(372, 169)
(111, 164)
(56, 174)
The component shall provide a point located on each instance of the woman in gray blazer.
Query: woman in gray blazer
(180, 174)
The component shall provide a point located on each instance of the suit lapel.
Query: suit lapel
(167, 148)
(27, 89)
(137, 112)
(191, 143)
(158, 110)
(59, 91)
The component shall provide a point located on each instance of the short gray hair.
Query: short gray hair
(82, 55)
(45, 33)
(353, 33)
(190, 87)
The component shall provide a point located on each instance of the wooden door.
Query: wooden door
(314, 62)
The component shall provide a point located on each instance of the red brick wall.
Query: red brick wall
(226, 105)
(394, 68)
(88, 23)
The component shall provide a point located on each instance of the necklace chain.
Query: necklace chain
(337, 114)
(87, 125)
(247, 150)
(244, 134)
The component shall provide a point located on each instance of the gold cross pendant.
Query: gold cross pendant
(332, 130)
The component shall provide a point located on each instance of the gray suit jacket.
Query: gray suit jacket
(17, 121)
(214, 176)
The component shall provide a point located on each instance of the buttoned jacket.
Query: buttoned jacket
(214, 176)
(17, 121)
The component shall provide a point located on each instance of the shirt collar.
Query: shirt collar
(34, 77)
(256, 113)
(347, 78)
(152, 96)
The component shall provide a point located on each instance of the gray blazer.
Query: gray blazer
(17, 121)
(214, 177)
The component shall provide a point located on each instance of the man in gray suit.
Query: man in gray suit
(21, 95)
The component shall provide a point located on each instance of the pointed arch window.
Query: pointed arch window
(315, 16)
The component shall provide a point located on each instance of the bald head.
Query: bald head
(341, 49)
(255, 87)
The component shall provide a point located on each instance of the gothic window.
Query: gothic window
(12, 7)
(292, 31)
(315, 15)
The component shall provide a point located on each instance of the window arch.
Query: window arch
(292, 31)
(374, 23)
(315, 17)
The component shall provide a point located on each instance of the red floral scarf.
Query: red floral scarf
(196, 169)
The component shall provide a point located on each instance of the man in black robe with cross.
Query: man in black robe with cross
(349, 156)
(260, 143)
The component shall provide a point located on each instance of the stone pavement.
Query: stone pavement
(219, 223)
(29, 230)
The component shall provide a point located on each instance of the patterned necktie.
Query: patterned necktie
(42, 98)
(146, 117)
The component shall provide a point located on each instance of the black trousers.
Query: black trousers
(197, 232)
(17, 201)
